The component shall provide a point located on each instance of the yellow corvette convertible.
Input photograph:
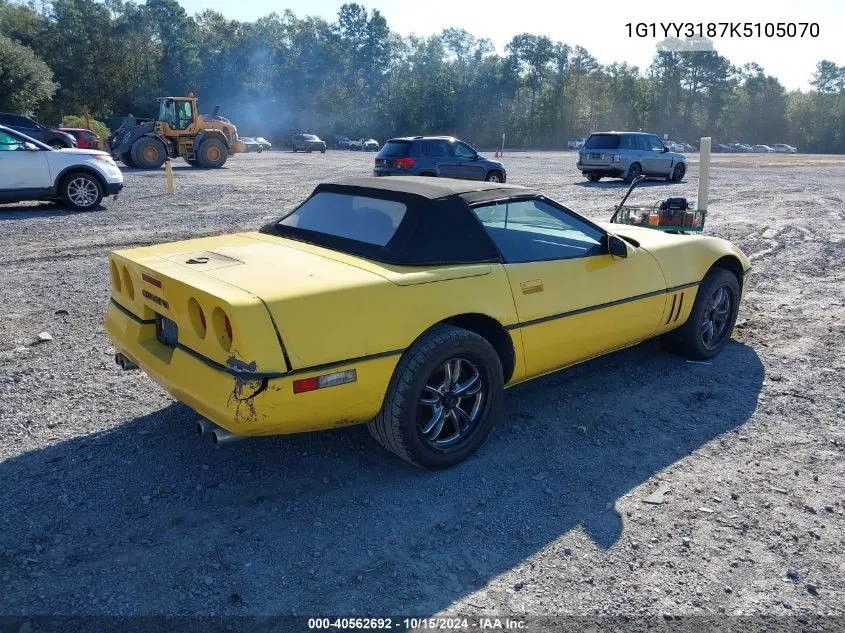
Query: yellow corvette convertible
(408, 303)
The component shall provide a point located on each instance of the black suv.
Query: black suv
(442, 156)
(47, 135)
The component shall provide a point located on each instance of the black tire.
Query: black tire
(127, 160)
(322, 151)
(678, 172)
(293, 148)
(148, 153)
(690, 339)
(397, 427)
(307, 150)
(593, 177)
(494, 176)
(81, 191)
(212, 153)
(260, 149)
(193, 162)
(634, 171)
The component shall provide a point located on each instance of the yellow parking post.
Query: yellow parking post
(168, 172)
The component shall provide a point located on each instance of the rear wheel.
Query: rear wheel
(81, 191)
(443, 399)
(678, 172)
(712, 318)
(212, 153)
(593, 177)
(634, 172)
(148, 153)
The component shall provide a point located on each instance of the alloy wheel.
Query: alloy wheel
(451, 403)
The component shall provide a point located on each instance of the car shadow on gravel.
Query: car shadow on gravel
(47, 210)
(621, 184)
(149, 518)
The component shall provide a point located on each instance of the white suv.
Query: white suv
(31, 170)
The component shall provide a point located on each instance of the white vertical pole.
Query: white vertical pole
(503, 143)
(703, 173)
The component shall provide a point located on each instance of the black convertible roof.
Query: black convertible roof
(426, 187)
(438, 227)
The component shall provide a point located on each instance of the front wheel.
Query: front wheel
(443, 399)
(494, 176)
(81, 191)
(212, 153)
(678, 172)
(712, 318)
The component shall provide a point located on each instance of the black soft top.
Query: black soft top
(437, 229)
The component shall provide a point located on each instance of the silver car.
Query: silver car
(628, 155)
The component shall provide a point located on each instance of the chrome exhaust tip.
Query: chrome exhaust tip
(124, 363)
(203, 426)
(220, 436)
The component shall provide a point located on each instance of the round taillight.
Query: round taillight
(222, 328)
(127, 282)
(115, 276)
(197, 317)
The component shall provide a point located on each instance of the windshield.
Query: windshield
(310, 137)
(363, 219)
(602, 141)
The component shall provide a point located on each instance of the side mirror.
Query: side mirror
(616, 246)
(665, 149)
(31, 146)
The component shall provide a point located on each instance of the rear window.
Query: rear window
(393, 149)
(602, 141)
(369, 220)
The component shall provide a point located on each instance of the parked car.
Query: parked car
(252, 144)
(674, 146)
(443, 156)
(578, 143)
(784, 148)
(763, 149)
(265, 144)
(32, 170)
(51, 136)
(440, 295)
(343, 142)
(689, 148)
(364, 145)
(308, 143)
(85, 139)
(628, 155)
(721, 147)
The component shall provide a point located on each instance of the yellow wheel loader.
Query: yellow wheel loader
(203, 140)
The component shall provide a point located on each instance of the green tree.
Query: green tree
(26, 81)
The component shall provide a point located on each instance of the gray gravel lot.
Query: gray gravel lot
(112, 505)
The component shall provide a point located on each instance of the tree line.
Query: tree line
(355, 77)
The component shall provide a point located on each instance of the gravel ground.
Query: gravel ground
(112, 504)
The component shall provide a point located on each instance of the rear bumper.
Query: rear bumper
(250, 404)
(391, 171)
(616, 171)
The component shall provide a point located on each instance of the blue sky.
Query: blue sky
(598, 26)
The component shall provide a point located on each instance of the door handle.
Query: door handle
(528, 287)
